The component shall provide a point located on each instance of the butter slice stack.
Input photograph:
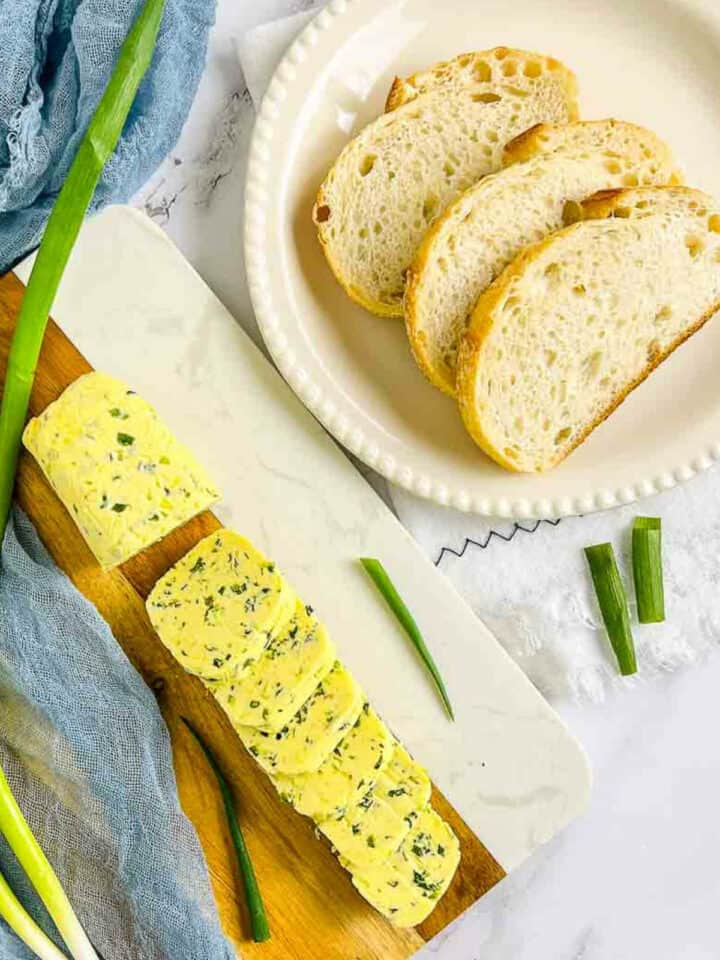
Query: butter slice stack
(270, 691)
(119, 471)
(353, 768)
(407, 885)
(311, 735)
(228, 616)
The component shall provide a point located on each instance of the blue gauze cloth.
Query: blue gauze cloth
(87, 754)
(56, 57)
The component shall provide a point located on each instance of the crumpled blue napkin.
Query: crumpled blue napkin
(87, 754)
(56, 57)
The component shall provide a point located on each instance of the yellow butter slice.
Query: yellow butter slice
(289, 669)
(404, 783)
(216, 609)
(119, 471)
(313, 732)
(368, 832)
(350, 771)
(407, 886)
(374, 826)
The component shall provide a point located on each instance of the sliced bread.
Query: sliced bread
(581, 318)
(391, 182)
(488, 225)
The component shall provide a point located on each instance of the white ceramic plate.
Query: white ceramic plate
(656, 62)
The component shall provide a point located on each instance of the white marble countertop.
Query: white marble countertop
(636, 877)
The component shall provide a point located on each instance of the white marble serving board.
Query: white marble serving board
(136, 309)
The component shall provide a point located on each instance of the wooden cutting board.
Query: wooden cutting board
(313, 908)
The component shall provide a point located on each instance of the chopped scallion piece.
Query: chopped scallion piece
(258, 918)
(613, 604)
(382, 581)
(647, 569)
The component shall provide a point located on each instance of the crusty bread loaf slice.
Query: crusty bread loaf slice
(495, 67)
(488, 225)
(402, 170)
(580, 319)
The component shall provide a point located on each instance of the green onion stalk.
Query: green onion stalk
(19, 920)
(42, 876)
(58, 240)
(377, 573)
(258, 918)
(60, 234)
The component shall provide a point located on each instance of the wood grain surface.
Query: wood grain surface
(313, 909)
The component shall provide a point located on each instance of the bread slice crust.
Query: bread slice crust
(490, 64)
(590, 135)
(608, 204)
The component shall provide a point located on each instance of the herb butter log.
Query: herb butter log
(218, 607)
(228, 616)
(119, 471)
(446, 128)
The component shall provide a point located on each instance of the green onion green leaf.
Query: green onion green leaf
(647, 569)
(60, 234)
(23, 844)
(613, 604)
(382, 581)
(258, 917)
